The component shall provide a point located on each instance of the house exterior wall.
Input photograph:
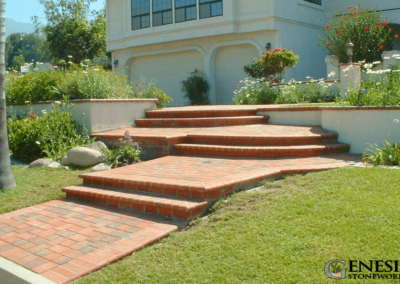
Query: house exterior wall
(220, 46)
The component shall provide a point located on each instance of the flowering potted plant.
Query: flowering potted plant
(271, 63)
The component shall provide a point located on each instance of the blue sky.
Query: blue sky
(23, 10)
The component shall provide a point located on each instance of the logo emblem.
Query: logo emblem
(335, 269)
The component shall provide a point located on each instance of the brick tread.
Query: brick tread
(199, 113)
(260, 151)
(140, 201)
(201, 122)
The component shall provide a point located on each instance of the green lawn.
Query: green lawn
(283, 235)
(37, 185)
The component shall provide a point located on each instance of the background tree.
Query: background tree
(21, 48)
(70, 30)
(369, 33)
(6, 176)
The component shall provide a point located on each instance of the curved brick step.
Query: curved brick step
(201, 122)
(249, 140)
(170, 206)
(268, 152)
(164, 113)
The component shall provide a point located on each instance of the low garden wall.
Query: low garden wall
(99, 115)
(355, 126)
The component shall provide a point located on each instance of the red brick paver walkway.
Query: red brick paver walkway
(64, 240)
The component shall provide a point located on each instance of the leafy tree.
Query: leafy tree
(24, 48)
(70, 31)
(6, 176)
(370, 34)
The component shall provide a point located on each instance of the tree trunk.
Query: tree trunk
(6, 176)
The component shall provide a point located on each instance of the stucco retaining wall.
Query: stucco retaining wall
(100, 115)
(294, 116)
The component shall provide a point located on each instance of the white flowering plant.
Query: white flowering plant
(255, 92)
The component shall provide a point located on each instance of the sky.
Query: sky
(23, 10)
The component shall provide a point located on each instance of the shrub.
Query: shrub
(368, 32)
(196, 88)
(389, 154)
(255, 93)
(52, 135)
(381, 89)
(141, 89)
(127, 152)
(271, 63)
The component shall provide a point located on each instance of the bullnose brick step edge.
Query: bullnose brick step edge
(268, 152)
(199, 113)
(164, 205)
(248, 140)
(201, 122)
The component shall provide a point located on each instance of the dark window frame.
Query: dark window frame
(317, 2)
(162, 15)
(210, 3)
(185, 7)
(140, 18)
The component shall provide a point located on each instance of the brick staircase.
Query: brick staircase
(204, 153)
(237, 134)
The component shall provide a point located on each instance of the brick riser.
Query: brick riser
(199, 114)
(201, 122)
(260, 152)
(260, 141)
(173, 207)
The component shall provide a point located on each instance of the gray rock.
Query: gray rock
(82, 157)
(97, 146)
(54, 165)
(101, 167)
(40, 163)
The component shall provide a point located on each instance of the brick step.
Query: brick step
(266, 140)
(201, 122)
(170, 206)
(266, 152)
(200, 113)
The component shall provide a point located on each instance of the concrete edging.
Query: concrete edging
(12, 273)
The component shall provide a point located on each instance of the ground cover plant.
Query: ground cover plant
(37, 185)
(32, 136)
(285, 234)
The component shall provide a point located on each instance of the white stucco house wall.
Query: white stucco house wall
(164, 40)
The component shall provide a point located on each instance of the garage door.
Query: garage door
(229, 70)
(168, 70)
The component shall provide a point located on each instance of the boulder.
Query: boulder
(54, 165)
(40, 163)
(82, 157)
(101, 167)
(97, 146)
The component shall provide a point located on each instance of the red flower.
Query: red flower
(32, 115)
(381, 46)
(289, 55)
(366, 28)
(396, 36)
(277, 49)
(377, 26)
(353, 15)
(355, 7)
(345, 16)
(356, 13)
(385, 23)
(284, 49)
(245, 67)
(380, 23)
(268, 54)
(349, 7)
(329, 43)
(328, 27)
(340, 32)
